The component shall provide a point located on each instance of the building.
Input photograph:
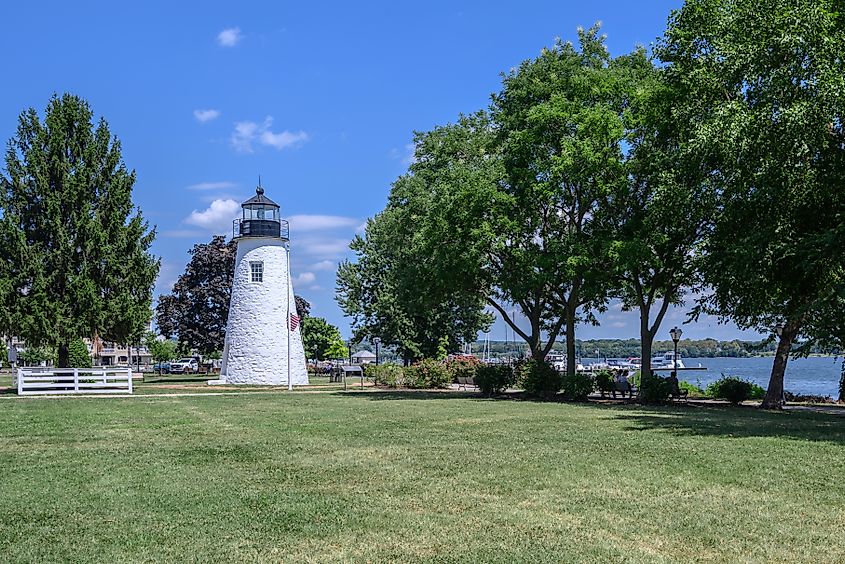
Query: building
(263, 337)
(363, 357)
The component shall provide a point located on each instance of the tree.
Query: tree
(303, 307)
(659, 217)
(559, 120)
(764, 113)
(74, 249)
(78, 355)
(394, 291)
(197, 310)
(161, 350)
(317, 336)
(337, 350)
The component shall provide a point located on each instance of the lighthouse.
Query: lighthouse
(263, 337)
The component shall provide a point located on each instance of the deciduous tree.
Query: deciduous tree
(763, 85)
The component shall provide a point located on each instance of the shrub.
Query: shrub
(78, 356)
(655, 389)
(493, 379)
(538, 378)
(605, 382)
(692, 390)
(427, 374)
(463, 366)
(578, 386)
(735, 390)
(389, 375)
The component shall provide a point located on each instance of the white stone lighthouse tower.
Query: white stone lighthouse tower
(263, 337)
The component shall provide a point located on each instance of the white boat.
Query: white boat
(667, 361)
(558, 361)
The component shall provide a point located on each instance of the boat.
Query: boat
(667, 361)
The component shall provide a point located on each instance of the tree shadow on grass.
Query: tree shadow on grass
(682, 420)
(391, 395)
(695, 420)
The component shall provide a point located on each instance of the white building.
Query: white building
(363, 357)
(263, 339)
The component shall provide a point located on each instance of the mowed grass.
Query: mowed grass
(375, 476)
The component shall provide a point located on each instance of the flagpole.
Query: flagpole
(290, 384)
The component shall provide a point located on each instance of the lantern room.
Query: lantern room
(260, 218)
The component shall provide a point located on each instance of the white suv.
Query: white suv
(184, 366)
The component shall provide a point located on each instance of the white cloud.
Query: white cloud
(212, 186)
(217, 218)
(320, 248)
(407, 156)
(229, 37)
(304, 278)
(324, 265)
(203, 116)
(320, 222)
(248, 132)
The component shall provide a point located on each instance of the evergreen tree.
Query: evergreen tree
(78, 356)
(74, 249)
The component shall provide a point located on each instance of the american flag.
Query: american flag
(294, 322)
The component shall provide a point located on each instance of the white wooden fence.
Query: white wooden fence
(32, 381)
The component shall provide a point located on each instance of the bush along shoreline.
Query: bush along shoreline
(540, 380)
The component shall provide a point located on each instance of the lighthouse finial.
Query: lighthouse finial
(259, 190)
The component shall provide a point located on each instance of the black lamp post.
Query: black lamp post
(676, 336)
(376, 342)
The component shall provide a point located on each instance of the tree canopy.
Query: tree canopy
(764, 112)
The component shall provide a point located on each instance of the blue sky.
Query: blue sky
(320, 99)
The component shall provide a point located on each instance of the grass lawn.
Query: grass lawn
(414, 476)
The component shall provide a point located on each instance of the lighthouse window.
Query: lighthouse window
(256, 269)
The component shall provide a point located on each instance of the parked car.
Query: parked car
(184, 366)
(163, 367)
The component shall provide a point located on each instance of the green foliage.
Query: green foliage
(4, 354)
(493, 379)
(33, 356)
(654, 389)
(74, 249)
(388, 375)
(538, 378)
(337, 350)
(160, 350)
(464, 366)
(428, 374)
(735, 390)
(317, 336)
(762, 99)
(692, 390)
(197, 311)
(78, 356)
(577, 386)
(605, 381)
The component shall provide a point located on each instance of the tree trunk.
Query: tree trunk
(570, 342)
(645, 344)
(842, 383)
(64, 356)
(774, 393)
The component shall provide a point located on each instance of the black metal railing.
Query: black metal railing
(261, 228)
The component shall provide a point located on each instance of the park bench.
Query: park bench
(464, 381)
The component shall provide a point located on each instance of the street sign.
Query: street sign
(13, 354)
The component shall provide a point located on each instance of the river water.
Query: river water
(815, 375)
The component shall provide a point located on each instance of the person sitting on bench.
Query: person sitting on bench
(621, 384)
